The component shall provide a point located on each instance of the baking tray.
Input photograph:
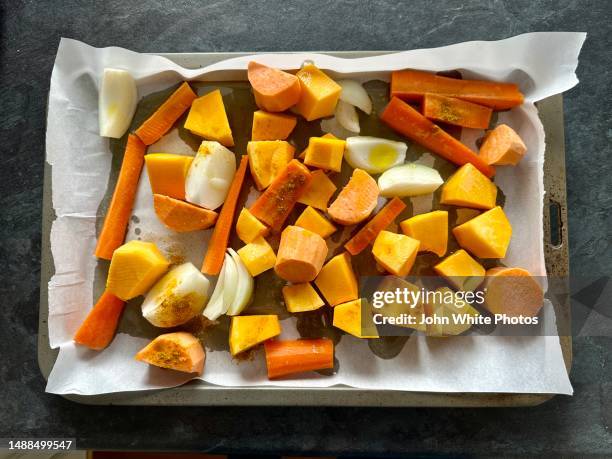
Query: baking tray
(201, 393)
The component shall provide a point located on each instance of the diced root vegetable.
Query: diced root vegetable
(181, 216)
(502, 147)
(178, 351)
(356, 201)
(456, 112)
(297, 356)
(274, 89)
(301, 255)
(512, 291)
(98, 329)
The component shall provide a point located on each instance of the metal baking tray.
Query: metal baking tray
(200, 393)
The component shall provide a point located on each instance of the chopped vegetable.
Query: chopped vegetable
(167, 173)
(397, 308)
(248, 228)
(354, 93)
(430, 229)
(300, 256)
(248, 331)
(347, 117)
(347, 317)
(512, 291)
(325, 153)
(374, 155)
(215, 253)
(207, 118)
(134, 268)
(319, 93)
(216, 307)
(412, 85)
(463, 215)
(257, 256)
(456, 111)
(274, 90)
(272, 126)
(120, 209)
(166, 115)
(98, 329)
(181, 216)
(410, 179)
(356, 201)
(445, 304)
(486, 236)
(116, 102)
(244, 287)
(407, 121)
(178, 351)
(337, 281)
(297, 356)
(329, 135)
(319, 191)
(177, 297)
(301, 298)
(469, 188)
(502, 146)
(395, 252)
(230, 282)
(267, 159)
(312, 220)
(379, 222)
(275, 204)
(461, 271)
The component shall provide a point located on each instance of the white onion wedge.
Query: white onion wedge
(244, 290)
(215, 307)
(347, 116)
(116, 102)
(230, 284)
(355, 94)
(409, 180)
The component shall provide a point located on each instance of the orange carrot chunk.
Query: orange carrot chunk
(275, 204)
(412, 85)
(98, 329)
(456, 111)
(182, 216)
(274, 90)
(407, 121)
(370, 230)
(120, 209)
(356, 201)
(297, 356)
(166, 115)
(215, 253)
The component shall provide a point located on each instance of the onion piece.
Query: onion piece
(355, 94)
(116, 102)
(244, 290)
(347, 116)
(409, 180)
(215, 307)
(230, 283)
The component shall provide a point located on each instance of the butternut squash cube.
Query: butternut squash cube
(134, 268)
(398, 309)
(444, 303)
(430, 229)
(319, 191)
(461, 270)
(248, 331)
(325, 153)
(301, 254)
(337, 281)
(395, 252)
(468, 187)
(272, 126)
(207, 118)
(267, 159)
(258, 256)
(347, 317)
(167, 173)
(301, 298)
(312, 220)
(486, 236)
(502, 147)
(328, 135)
(463, 215)
(319, 94)
(248, 228)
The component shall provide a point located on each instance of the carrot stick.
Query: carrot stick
(296, 356)
(370, 230)
(215, 253)
(166, 115)
(412, 85)
(456, 111)
(98, 329)
(407, 121)
(118, 213)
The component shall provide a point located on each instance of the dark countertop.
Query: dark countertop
(30, 33)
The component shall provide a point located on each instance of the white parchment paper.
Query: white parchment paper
(543, 64)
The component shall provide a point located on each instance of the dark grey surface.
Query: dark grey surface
(30, 33)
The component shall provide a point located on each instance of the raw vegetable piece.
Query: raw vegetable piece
(180, 351)
(275, 204)
(412, 85)
(297, 356)
(116, 102)
(244, 287)
(248, 228)
(407, 121)
(469, 188)
(216, 306)
(230, 281)
(98, 329)
(347, 317)
(395, 252)
(319, 93)
(328, 135)
(410, 179)
(267, 159)
(300, 256)
(181, 216)
(274, 90)
(445, 304)
(399, 309)
(257, 256)
(356, 201)
(355, 94)
(167, 173)
(207, 118)
(463, 215)
(502, 146)
(215, 253)
(312, 220)
(337, 281)
(370, 230)
(318, 193)
(301, 298)
(248, 331)
(347, 117)
(134, 268)
(120, 209)
(512, 291)
(456, 111)
(325, 153)
(461, 271)
(430, 229)
(166, 115)
(486, 236)
(374, 155)
(272, 126)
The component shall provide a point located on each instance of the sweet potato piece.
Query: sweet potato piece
(181, 216)
(300, 256)
(512, 291)
(356, 201)
(274, 90)
(98, 329)
(180, 351)
(502, 146)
